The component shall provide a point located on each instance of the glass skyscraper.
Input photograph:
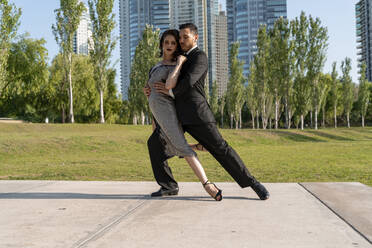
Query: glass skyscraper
(364, 35)
(82, 41)
(244, 18)
(220, 54)
(163, 14)
(134, 15)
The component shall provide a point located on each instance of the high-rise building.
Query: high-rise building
(220, 53)
(244, 18)
(364, 35)
(162, 14)
(194, 11)
(134, 15)
(82, 41)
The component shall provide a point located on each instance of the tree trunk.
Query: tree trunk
(252, 119)
(142, 118)
(221, 119)
(335, 111)
(270, 124)
(348, 119)
(311, 119)
(362, 120)
(302, 122)
(258, 120)
(276, 113)
(264, 120)
(289, 119)
(323, 121)
(286, 114)
(135, 119)
(72, 120)
(240, 118)
(63, 114)
(316, 118)
(101, 113)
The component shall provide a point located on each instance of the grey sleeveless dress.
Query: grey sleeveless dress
(164, 111)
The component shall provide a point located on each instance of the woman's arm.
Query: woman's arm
(173, 76)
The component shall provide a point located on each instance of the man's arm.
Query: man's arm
(199, 65)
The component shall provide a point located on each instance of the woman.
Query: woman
(164, 111)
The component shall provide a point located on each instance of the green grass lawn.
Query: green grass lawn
(118, 152)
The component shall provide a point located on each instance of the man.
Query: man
(197, 119)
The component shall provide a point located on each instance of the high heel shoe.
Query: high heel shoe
(218, 196)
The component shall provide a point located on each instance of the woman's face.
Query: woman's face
(169, 45)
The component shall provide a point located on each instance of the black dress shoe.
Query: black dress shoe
(261, 191)
(165, 192)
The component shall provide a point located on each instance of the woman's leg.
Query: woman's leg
(198, 169)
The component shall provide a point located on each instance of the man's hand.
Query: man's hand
(160, 88)
(147, 90)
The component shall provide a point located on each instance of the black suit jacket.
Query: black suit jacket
(191, 104)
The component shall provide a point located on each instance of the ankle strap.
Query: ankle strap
(207, 182)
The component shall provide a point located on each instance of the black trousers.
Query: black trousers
(207, 135)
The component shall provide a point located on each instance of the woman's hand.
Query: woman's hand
(181, 59)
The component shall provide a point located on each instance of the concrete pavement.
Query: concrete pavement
(121, 214)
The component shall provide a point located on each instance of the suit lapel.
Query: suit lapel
(192, 52)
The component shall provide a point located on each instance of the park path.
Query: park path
(121, 214)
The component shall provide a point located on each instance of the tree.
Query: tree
(347, 88)
(221, 107)
(263, 73)
(325, 84)
(251, 98)
(334, 91)
(87, 108)
(280, 60)
(29, 95)
(213, 101)
(103, 24)
(302, 89)
(364, 93)
(145, 57)
(235, 87)
(67, 22)
(9, 22)
(60, 90)
(315, 59)
(113, 102)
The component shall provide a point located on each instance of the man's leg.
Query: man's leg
(162, 172)
(209, 136)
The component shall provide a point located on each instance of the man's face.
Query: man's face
(187, 39)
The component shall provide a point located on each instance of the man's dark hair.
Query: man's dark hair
(191, 26)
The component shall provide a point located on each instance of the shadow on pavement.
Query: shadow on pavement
(41, 196)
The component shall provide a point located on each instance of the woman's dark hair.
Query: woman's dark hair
(176, 35)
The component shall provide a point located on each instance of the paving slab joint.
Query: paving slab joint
(105, 228)
(337, 214)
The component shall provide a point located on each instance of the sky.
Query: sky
(38, 17)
